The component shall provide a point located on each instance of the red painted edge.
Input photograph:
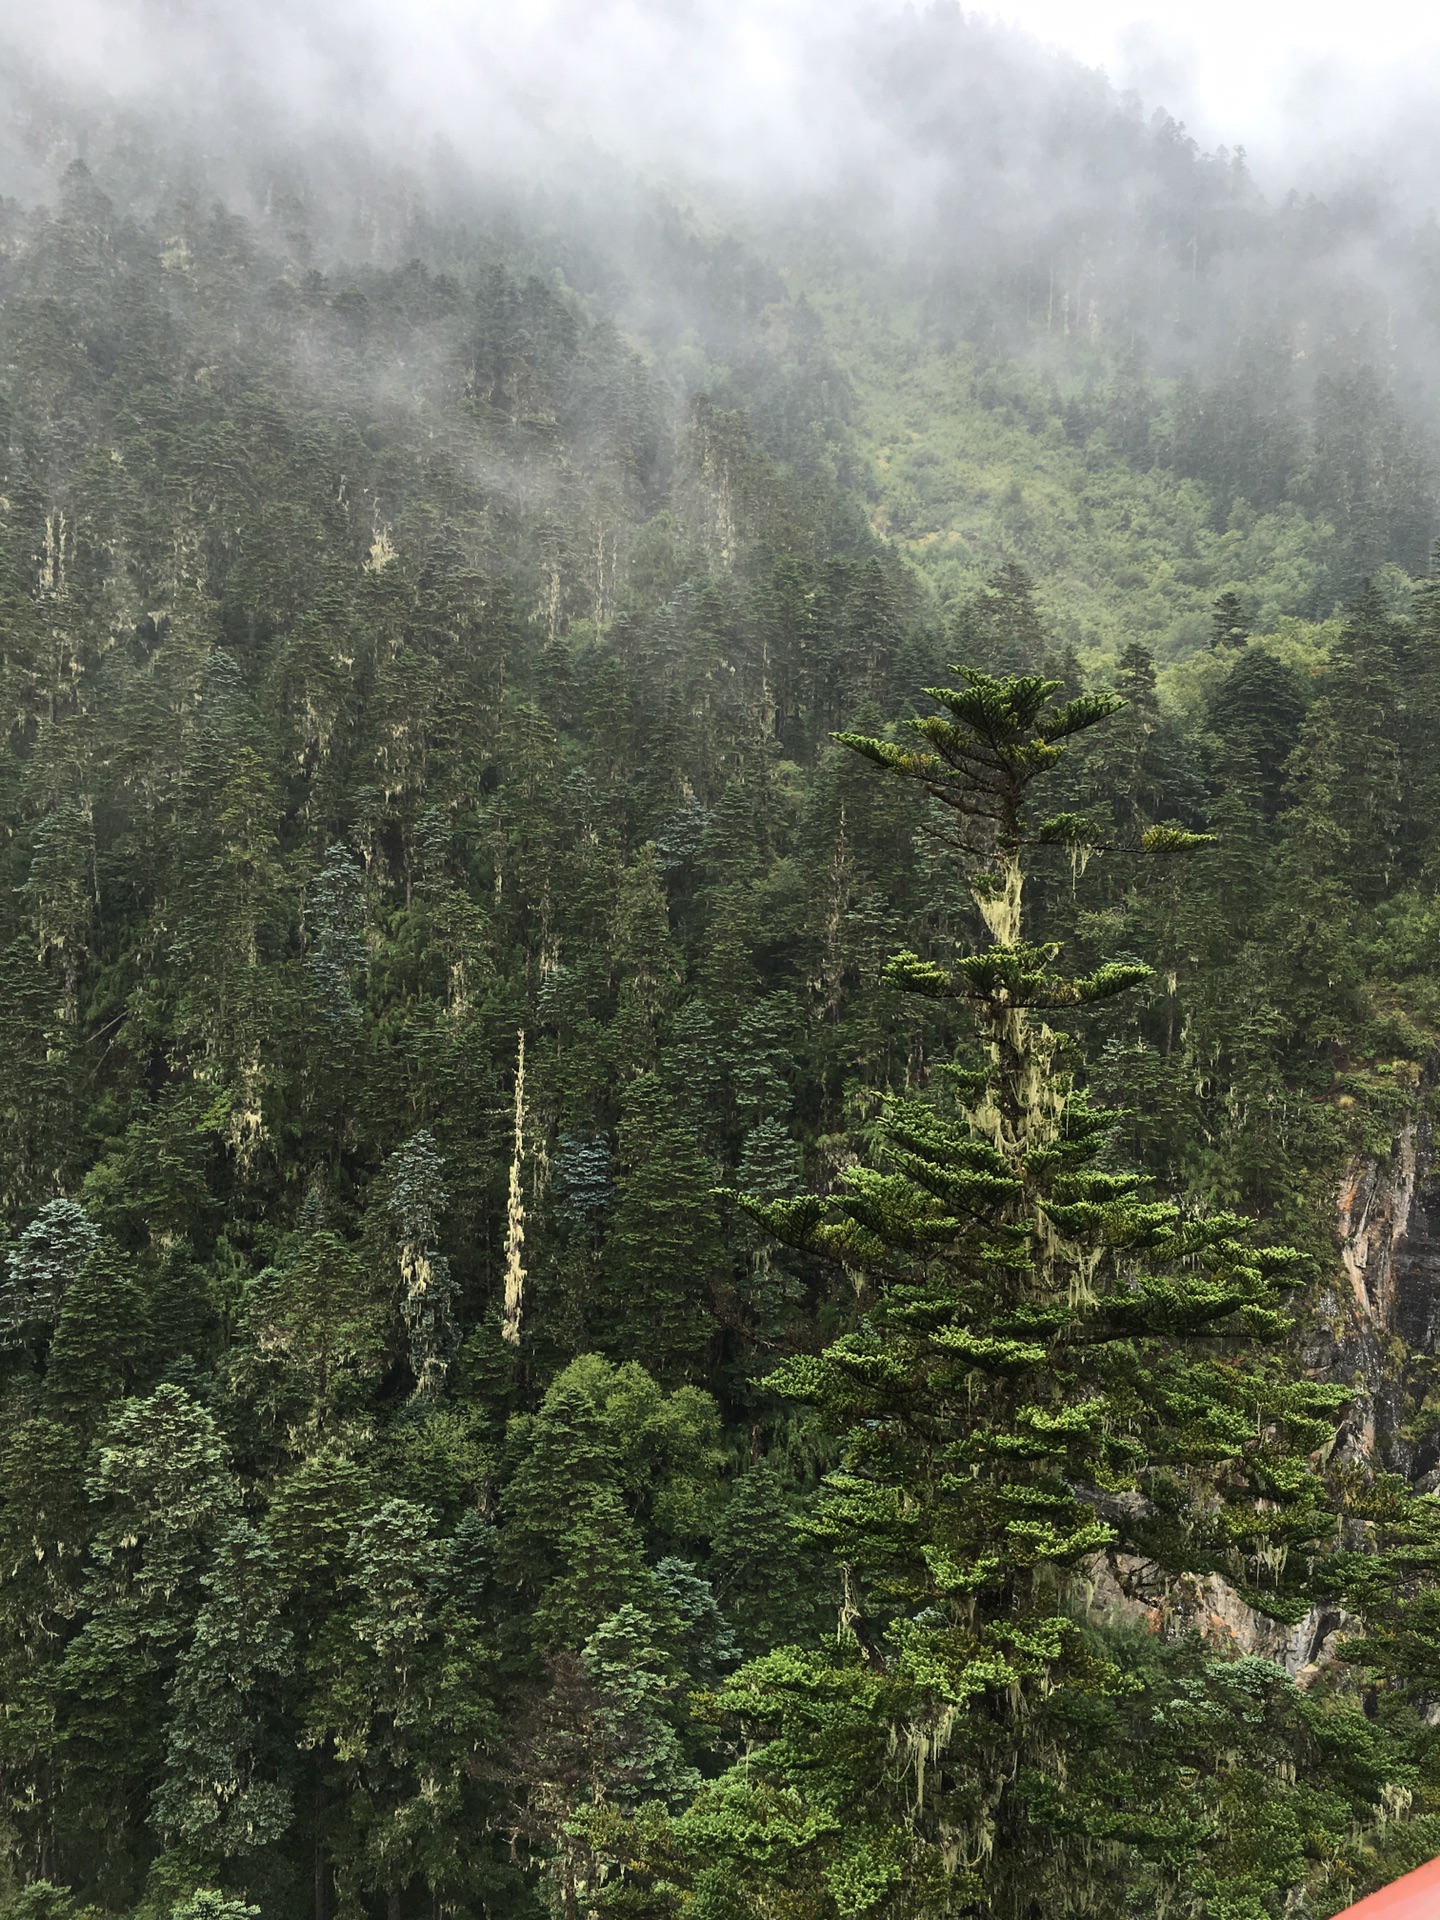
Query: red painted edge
(1416, 1896)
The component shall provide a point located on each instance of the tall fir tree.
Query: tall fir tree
(664, 1258)
(1051, 1367)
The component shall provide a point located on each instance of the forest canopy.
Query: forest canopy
(703, 921)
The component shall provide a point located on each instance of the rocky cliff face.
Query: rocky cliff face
(1415, 1287)
(1124, 1589)
(1382, 1311)
(1388, 1227)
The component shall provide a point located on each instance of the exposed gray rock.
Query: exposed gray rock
(1124, 1589)
(1383, 1307)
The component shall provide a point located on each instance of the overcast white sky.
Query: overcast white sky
(1264, 74)
(755, 87)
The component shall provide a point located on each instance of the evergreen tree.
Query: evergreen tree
(1001, 626)
(376, 687)
(639, 1758)
(416, 1196)
(764, 1063)
(770, 1579)
(1130, 763)
(399, 1697)
(691, 1069)
(769, 1162)
(1231, 629)
(1257, 710)
(316, 1338)
(608, 1463)
(165, 1493)
(580, 1177)
(334, 925)
(101, 1348)
(1050, 1366)
(36, 1112)
(570, 1540)
(153, 1187)
(41, 1268)
(231, 892)
(224, 1794)
(769, 1169)
(59, 896)
(686, 1609)
(664, 1256)
(1350, 741)
(644, 962)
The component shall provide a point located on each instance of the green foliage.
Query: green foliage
(220, 1796)
(664, 1254)
(1051, 1367)
(41, 1900)
(48, 1257)
(399, 660)
(334, 922)
(208, 1904)
(416, 1197)
(313, 1338)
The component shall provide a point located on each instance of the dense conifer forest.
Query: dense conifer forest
(719, 967)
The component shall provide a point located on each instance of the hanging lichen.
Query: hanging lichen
(515, 1214)
(417, 1198)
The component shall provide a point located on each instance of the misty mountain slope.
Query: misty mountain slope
(1093, 266)
(973, 463)
(1287, 461)
(574, 1341)
(970, 192)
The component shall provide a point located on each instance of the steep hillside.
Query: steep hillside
(542, 1368)
(975, 462)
